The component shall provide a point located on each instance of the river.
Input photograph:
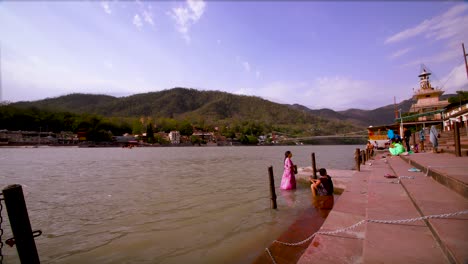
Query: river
(157, 205)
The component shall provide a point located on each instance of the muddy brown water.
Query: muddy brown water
(157, 205)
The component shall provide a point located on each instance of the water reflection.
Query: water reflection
(289, 196)
(323, 204)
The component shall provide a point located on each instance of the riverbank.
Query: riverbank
(424, 208)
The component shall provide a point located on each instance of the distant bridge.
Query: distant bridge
(324, 138)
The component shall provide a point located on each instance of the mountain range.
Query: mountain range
(185, 103)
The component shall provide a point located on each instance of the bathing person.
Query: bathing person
(433, 137)
(288, 181)
(323, 185)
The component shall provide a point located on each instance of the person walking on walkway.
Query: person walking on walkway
(288, 181)
(422, 138)
(434, 138)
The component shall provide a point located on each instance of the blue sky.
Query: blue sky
(336, 55)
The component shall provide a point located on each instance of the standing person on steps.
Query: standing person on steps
(288, 181)
(406, 137)
(422, 138)
(434, 138)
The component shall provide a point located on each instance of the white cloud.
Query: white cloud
(246, 66)
(443, 56)
(105, 5)
(257, 74)
(447, 25)
(456, 80)
(197, 7)
(449, 28)
(336, 92)
(399, 53)
(137, 22)
(148, 17)
(186, 17)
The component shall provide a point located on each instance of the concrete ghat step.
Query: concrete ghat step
(395, 243)
(445, 168)
(432, 198)
(345, 247)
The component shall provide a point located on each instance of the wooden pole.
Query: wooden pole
(20, 225)
(363, 157)
(464, 56)
(357, 159)
(456, 135)
(314, 166)
(272, 188)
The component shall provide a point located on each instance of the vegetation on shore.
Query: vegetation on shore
(185, 110)
(233, 116)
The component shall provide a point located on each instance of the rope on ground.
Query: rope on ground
(402, 177)
(271, 256)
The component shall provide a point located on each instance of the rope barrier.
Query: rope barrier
(401, 221)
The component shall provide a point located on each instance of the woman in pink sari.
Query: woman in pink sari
(288, 182)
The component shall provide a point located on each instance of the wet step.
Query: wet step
(445, 168)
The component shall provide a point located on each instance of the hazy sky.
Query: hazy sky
(336, 55)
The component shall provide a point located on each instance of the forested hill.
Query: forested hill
(215, 107)
(176, 103)
(209, 107)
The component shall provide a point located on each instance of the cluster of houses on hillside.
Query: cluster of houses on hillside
(69, 138)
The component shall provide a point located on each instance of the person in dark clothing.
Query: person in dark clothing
(323, 185)
(406, 137)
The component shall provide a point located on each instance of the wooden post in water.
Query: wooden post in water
(20, 225)
(363, 159)
(456, 135)
(314, 167)
(357, 159)
(272, 188)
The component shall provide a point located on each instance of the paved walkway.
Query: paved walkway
(438, 188)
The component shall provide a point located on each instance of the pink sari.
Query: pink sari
(288, 181)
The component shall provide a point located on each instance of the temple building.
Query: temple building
(428, 106)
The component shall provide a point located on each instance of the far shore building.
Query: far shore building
(174, 137)
(206, 136)
(456, 113)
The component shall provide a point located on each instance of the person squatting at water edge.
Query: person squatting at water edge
(322, 186)
(288, 181)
